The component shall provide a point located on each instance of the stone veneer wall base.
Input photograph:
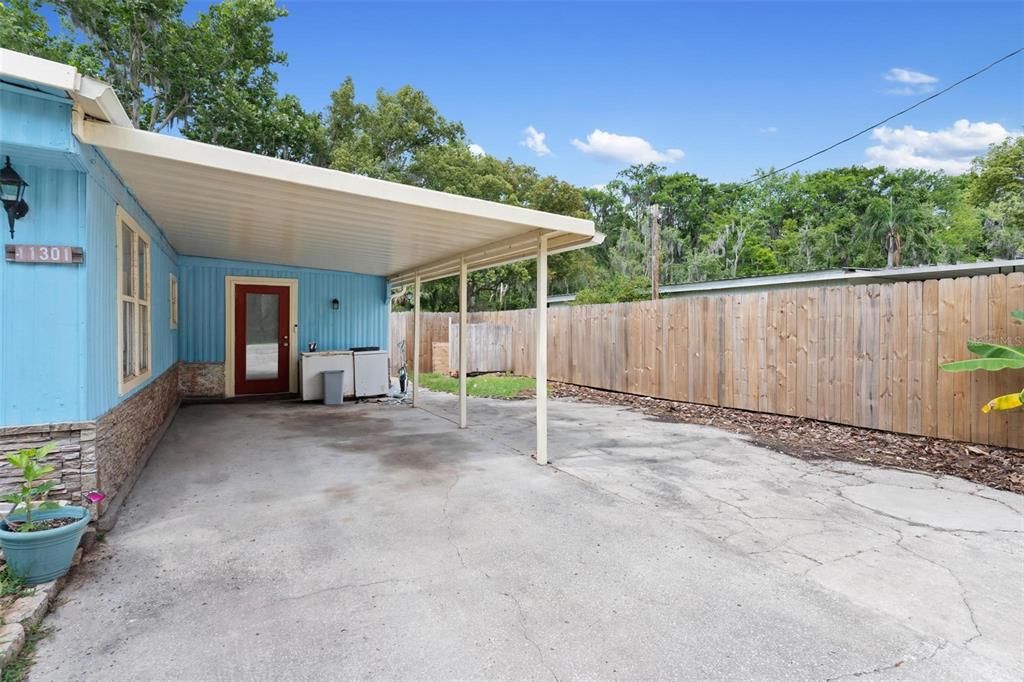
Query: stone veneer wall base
(107, 521)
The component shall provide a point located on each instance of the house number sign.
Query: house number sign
(42, 253)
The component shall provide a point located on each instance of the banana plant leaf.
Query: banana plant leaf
(1010, 401)
(995, 350)
(988, 364)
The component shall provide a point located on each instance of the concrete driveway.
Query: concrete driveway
(282, 541)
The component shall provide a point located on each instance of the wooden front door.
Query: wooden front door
(261, 339)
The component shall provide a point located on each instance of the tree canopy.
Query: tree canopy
(214, 79)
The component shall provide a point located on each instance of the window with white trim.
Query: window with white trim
(133, 298)
(174, 301)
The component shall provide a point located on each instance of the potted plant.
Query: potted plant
(39, 537)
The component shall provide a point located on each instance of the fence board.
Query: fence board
(898, 361)
(865, 355)
(980, 387)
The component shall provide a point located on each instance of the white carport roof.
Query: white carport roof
(221, 203)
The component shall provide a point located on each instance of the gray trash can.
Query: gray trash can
(334, 387)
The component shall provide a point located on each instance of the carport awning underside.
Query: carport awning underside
(221, 203)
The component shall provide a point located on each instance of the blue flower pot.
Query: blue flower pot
(43, 555)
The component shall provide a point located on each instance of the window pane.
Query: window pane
(143, 290)
(261, 336)
(143, 338)
(127, 339)
(174, 301)
(126, 260)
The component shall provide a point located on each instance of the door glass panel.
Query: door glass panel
(261, 336)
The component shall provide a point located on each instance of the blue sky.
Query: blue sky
(714, 88)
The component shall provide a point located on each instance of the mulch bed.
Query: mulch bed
(1001, 468)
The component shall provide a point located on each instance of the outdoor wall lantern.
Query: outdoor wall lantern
(335, 304)
(12, 188)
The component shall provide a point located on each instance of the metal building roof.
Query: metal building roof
(831, 278)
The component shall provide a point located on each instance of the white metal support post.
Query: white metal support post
(463, 335)
(542, 351)
(416, 340)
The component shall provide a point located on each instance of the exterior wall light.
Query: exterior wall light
(12, 189)
(335, 304)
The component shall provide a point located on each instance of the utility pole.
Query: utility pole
(655, 249)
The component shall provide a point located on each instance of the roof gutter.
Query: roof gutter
(95, 98)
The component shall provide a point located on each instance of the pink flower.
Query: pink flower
(95, 496)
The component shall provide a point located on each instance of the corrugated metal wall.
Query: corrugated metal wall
(361, 321)
(34, 120)
(42, 311)
(104, 193)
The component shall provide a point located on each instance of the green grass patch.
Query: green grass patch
(10, 585)
(17, 669)
(482, 386)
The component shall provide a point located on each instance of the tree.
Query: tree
(383, 140)
(23, 29)
(996, 186)
(615, 289)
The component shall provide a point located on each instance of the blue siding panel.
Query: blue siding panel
(105, 193)
(42, 307)
(361, 321)
(34, 120)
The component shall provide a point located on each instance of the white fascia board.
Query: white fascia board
(96, 98)
(36, 70)
(233, 161)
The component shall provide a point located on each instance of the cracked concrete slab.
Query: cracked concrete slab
(304, 542)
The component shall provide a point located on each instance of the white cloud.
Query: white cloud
(949, 149)
(533, 140)
(913, 82)
(770, 130)
(625, 148)
(477, 150)
(909, 76)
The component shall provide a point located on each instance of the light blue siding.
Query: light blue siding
(42, 307)
(58, 350)
(105, 193)
(59, 358)
(34, 120)
(361, 321)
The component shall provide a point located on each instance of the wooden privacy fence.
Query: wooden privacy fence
(866, 355)
(488, 347)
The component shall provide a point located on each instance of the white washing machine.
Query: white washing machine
(371, 372)
(313, 365)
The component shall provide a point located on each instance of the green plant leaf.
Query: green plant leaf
(44, 450)
(988, 364)
(1018, 315)
(995, 350)
(18, 459)
(42, 488)
(46, 506)
(12, 498)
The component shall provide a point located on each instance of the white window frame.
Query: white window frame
(137, 298)
(173, 288)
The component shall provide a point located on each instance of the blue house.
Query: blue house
(149, 268)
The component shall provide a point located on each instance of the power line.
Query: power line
(884, 120)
